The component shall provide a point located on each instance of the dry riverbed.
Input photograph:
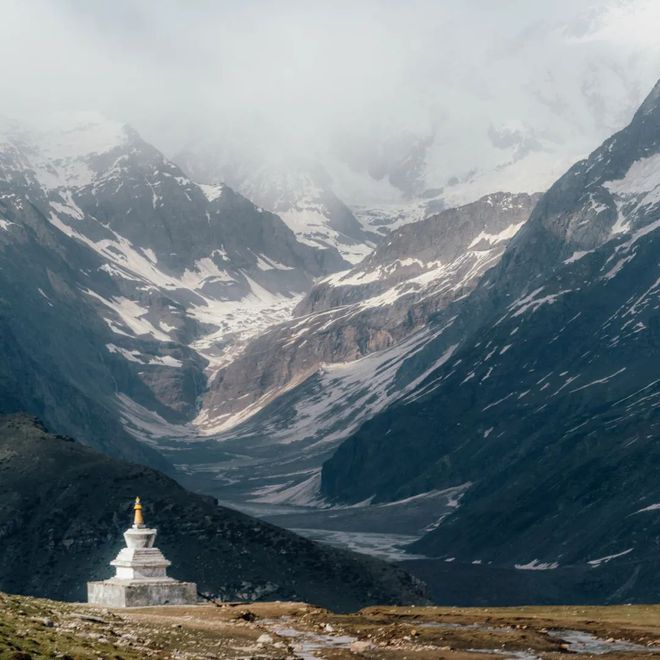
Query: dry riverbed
(34, 628)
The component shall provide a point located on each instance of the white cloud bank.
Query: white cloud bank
(388, 96)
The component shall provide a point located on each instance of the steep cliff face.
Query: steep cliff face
(122, 279)
(547, 397)
(64, 507)
(301, 193)
(418, 270)
(454, 247)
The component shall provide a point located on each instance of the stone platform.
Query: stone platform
(141, 593)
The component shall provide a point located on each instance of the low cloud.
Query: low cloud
(365, 88)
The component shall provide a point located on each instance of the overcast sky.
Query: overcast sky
(360, 82)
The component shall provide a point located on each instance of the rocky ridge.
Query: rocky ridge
(151, 276)
(416, 271)
(300, 193)
(545, 392)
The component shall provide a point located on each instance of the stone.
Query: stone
(140, 574)
(360, 646)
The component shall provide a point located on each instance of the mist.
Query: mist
(390, 98)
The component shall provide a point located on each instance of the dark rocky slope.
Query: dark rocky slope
(64, 507)
(548, 400)
(53, 358)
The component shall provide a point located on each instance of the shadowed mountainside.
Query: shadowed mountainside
(64, 507)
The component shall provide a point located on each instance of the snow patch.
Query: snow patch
(576, 256)
(531, 302)
(492, 239)
(643, 176)
(651, 507)
(608, 558)
(211, 192)
(536, 565)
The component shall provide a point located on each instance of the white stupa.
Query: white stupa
(140, 574)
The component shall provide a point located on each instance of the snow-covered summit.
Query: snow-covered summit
(82, 134)
(62, 150)
(163, 275)
(301, 193)
(305, 201)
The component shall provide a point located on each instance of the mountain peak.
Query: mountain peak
(61, 148)
(82, 134)
(651, 102)
(70, 135)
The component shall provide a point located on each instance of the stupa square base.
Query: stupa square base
(141, 593)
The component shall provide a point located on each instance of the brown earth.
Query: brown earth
(34, 628)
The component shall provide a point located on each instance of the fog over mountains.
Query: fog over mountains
(457, 99)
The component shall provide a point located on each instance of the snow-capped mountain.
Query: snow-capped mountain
(178, 276)
(515, 428)
(282, 405)
(155, 274)
(416, 271)
(543, 390)
(301, 194)
(385, 218)
(549, 87)
(473, 344)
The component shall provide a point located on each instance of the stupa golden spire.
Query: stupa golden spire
(138, 520)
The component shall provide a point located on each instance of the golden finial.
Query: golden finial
(138, 521)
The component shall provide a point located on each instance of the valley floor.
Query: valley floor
(33, 628)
